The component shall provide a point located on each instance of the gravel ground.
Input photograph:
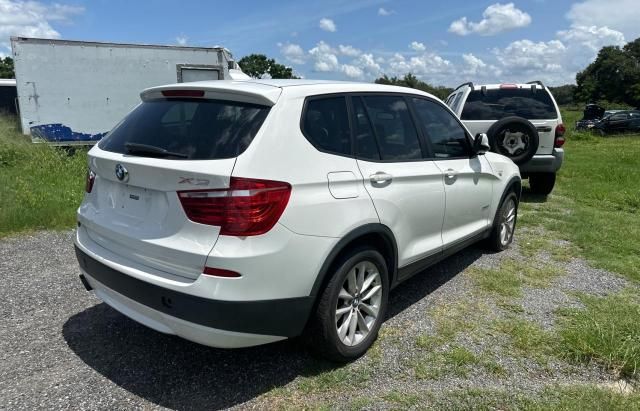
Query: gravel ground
(60, 347)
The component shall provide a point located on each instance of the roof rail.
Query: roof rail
(470, 84)
(536, 82)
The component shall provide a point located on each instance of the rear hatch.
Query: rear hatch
(532, 102)
(179, 141)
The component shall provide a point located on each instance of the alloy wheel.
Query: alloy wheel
(508, 222)
(358, 303)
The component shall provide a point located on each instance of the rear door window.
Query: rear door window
(326, 125)
(393, 127)
(499, 103)
(195, 129)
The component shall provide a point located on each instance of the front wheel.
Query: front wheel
(352, 307)
(504, 225)
(542, 183)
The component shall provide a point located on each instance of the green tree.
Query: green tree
(6, 68)
(564, 94)
(259, 65)
(614, 76)
(410, 80)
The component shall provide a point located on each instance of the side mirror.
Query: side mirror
(481, 143)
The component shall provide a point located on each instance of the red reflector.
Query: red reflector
(91, 178)
(508, 86)
(559, 142)
(183, 93)
(219, 272)
(247, 207)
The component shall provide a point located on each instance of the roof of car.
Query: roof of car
(270, 90)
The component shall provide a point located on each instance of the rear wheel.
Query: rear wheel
(504, 225)
(352, 307)
(542, 183)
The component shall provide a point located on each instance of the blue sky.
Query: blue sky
(441, 42)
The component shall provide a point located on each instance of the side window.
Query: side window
(392, 125)
(366, 146)
(456, 104)
(448, 138)
(326, 125)
(619, 116)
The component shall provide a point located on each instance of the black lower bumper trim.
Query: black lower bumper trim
(283, 317)
(86, 284)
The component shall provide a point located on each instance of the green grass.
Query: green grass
(596, 203)
(528, 338)
(508, 279)
(607, 331)
(41, 186)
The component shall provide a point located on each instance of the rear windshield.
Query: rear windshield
(497, 104)
(195, 129)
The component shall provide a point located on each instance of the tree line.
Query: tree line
(612, 78)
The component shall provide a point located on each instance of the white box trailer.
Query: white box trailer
(74, 92)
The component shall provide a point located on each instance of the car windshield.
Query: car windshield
(193, 129)
(499, 103)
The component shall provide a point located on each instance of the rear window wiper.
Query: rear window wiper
(135, 148)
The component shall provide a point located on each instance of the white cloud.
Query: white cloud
(555, 61)
(325, 57)
(427, 66)
(384, 12)
(352, 71)
(621, 15)
(496, 19)
(32, 19)
(293, 53)
(474, 66)
(328, 25)
(349, 51)
(416, 46)
(182, 40)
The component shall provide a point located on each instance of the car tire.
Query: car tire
(542, 183)
(528, 136)
(505, 219)
(326, 334)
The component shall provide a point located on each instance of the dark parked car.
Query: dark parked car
(619, 122)
(591, 115)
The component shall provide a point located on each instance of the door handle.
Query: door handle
(450, 173)
(380, 177)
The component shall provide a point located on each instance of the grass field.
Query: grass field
(593, 214)
(41, 186)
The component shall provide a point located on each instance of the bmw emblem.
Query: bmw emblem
(121, 173)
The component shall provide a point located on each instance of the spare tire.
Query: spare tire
(514, 137)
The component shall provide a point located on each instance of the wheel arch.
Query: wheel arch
(378, 235)
(513, 185)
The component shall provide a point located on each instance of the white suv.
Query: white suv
(237, 213)
(522, 121)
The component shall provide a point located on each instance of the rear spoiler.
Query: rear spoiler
(240, 91)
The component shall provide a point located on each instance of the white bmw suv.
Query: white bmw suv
(238, 213)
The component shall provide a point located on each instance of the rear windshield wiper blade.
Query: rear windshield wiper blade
(135, 148)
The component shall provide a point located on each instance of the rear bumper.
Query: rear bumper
(225, 324)
(544, 163)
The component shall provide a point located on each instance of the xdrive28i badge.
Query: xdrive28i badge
(121, 173)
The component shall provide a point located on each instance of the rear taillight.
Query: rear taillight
(247, 207)
(559, 140)
(91, 178)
